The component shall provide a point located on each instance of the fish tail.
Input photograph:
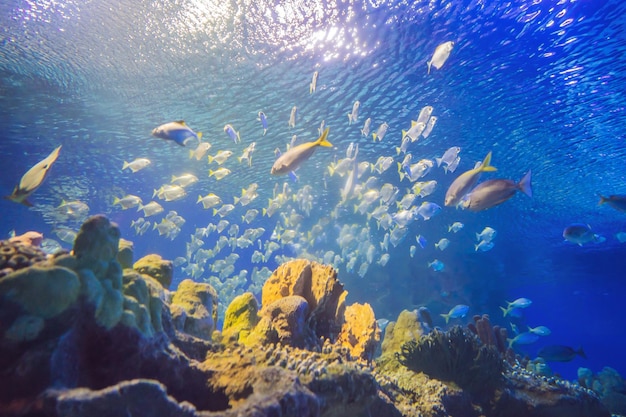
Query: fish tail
(524, 185)
(199, 134)
(115, 200)
(199, 199)
(210, 159)
(477, 236)
(322, 139)
(349, 119)
(236, 200)
(446, 316)
(485, 167)
(581, 352)
(125, 165)
(603, 199)
(214, 211)
(190, 155)
(429, 63)
(211, 173)
(374, 136)
(438, 162)
(505, 311)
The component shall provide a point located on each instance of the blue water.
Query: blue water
(540, 84)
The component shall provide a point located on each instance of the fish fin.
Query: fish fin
(236, 200)
(603, 199)
(182, 122)
(581, 352)
(429, 63)
(199, 199)
(374, 136)
(485, 167)
(190, 155)
(505, 311)
(438, 162)
(403, 134)
(322, 139)
(125, 165)
(524, 185)
(446, 316)
(210, 159)
(199, 135)
(214, 211)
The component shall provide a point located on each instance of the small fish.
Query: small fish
(428, 210)
(442, 244)
(487, 234)
(33, 179)
(466, 181)
(184, 180)
(150, 209)
(221, 226)
(170, 192)
(381, 132)
(414, 131)
(219, 173)
(220, 157)
(580, 234)
(263, 119)
(436, 265)
(560, 353)
(525, 338)
(65, 234)
(250, 215)
(455, 227)
(540, 330)
(177, 131)
(456, 312)
(491, 193)
(366, 127)
(247, 154)
(424, 115)
(448, 156)
(355, 112)
(224, 210)
(209, 200)
(421, 240)
(294, 157)
(137, 165)
(73, 209)
(292, 116)
(412, 250)
(483, 246)
(232, 133)
(200, 151)
(429, 126)
(383, 259)
(440, 56)
(618, 202)
(424, 188)
(127, 201)
(453, 166)
(313, 84)
(518, 303)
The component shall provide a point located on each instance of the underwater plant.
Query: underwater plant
(456, 355)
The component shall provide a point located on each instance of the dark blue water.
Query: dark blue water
(540, 84)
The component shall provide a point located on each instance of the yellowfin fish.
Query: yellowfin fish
(440, 56)
(219, 173)
(33, 179)
(200, 151)
(294, 157)
(209, 200)
(137, 165)
(466, 181)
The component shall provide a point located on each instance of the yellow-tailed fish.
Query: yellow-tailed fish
(295, 156)
(466, 181)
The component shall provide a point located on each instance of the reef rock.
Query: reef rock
(96, 245)
(360, 332)
(287, 316)
(194, 308)
(157, 268)
(318, 285)
(18, 255)
(407, 327)
(125, 253)
(240, 318)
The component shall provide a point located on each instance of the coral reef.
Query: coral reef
(81, 336)
(609, 385)
(17, 255)
(157, 268)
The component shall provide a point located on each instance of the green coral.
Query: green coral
(457, 356)
(157, 268)
(43, 291)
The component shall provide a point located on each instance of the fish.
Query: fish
(294, 157)
(487, 234)
(170, 192)
(177, 131)
(491, 193)
(455, 227)
(209, 200)
(453, 166)
(313, 83)
(525, 338)
(618, 202)
(483, 246)
(380, 132)
(441, 55)
(200, 151)
(414, 131)
(250, 215)
(32, 179)
(150, 209)
(421, 240)
(247, 154)
(540, 330)
(466, 181)
(73, 209)
(127, 201)
(184, 180)
(366, 127)
(136, 165)
(232, 133)
(424, 188)
(429, 126)
(219, 173)
(456, 312)
(355, 112)
(442, 244)
(580, 234)
(220, 157)
(65, 234)
(436, 265)
(247, 194)
(383, 163)
(518, 303)
(292, 116)
(428, 210)
(263, 120)
(384, 258)
(424, 115)
(560, 353)
(412, 250)
(224, 210)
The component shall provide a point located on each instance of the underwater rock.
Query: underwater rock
(43, 291)
(194, 308)
(287, 316)
(360, 332)
(143, 302)
(18, 255)
(609, 385)
(157, 268)
(125, 253)
(96, 245)
(407, 327)
(240, 318)
(318, 285)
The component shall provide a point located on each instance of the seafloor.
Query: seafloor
(94, 333)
